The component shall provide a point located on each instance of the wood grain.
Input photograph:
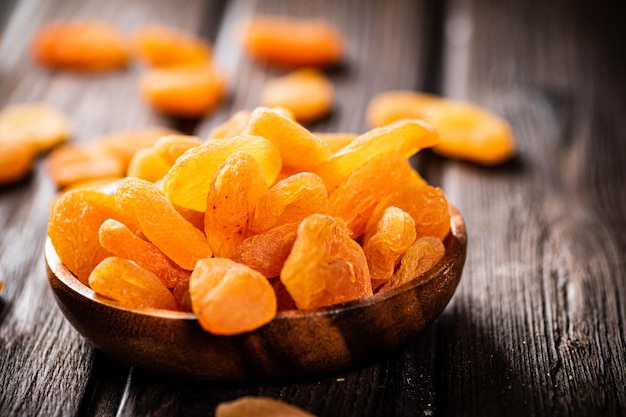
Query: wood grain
(538, 324)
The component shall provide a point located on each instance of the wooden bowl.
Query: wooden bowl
(295, 343)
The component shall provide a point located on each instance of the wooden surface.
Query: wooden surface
(538, 324)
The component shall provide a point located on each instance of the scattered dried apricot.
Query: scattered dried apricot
(288, 41)
(161, 223)
(88, 45)
(405, 136)
(230, 298)
(325, 266)
(236, 187)
(258, 407)
(159, 45)
(184, 91)
(306, 92)
(37, 125)
(72, 164)
(187, 182)
(389, 106)
(16, 161)
(130, 285)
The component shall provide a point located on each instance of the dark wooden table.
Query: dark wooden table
(538, 324)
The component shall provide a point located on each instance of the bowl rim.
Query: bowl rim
(457, 232)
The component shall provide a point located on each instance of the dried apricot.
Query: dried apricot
(170, 147)
(325, 266)
(125, 143)
(426, 204)
(306, 92)
(421, 256)
(390, 106)
(258, 407)
(147, 165)
(297, 146)
(16, 161)
(37, 125)
(161, 223)
(266, 252)
(118, 239)
(336, 140)
(288, 41)
(85, 45)
(230, 298)
(290, 200)
(467, 131)
(355, 199)
(236, 187)
(73, 227)
(234, 126)
(70, 164)
(386, 242)
(184, 91)
(158, 45)
(187, 182)
(130, 285)
(405, 136)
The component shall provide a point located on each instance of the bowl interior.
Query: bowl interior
(294, 343)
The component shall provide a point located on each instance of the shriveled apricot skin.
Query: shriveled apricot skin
(426, 204)
(230, 298)
(73, 228)
(188, 181)
(290, 200)
(355, 199)
(236, 187)
(161, 223)
(266, 252)
(325, 266)
(406, 137)
(291, 42)
(130, 285)
(118, 239)
(88, 45)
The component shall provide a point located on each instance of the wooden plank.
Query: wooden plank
(538, 324)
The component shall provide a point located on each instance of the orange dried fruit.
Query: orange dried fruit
(266, 252)
(184, 91)
(125, 143)
(161, 223)
(159, 45)
(147, 165)
(70, 164)
(170, 147)
(234, 126)
(420, 257)
(73, 227)
(306, 92)
(130, 285)
(406, 137)
(230, 298)
(467, 131)
(355, 199)
(182, 297)
(37, 125)
(258, 407)
(289, 42)
(386, 242)
(16, 161)
(298, 147)
(336, 140)
(290, 200)
(84, 45)
(389, 106)
(325, 266)
(187, 182)
(118, 239)
(426, 204)
(236, 187)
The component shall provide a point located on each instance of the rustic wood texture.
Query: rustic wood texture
(538, 323)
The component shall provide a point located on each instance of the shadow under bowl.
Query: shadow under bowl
(293, 344)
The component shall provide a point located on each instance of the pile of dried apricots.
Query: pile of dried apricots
(263, 215)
